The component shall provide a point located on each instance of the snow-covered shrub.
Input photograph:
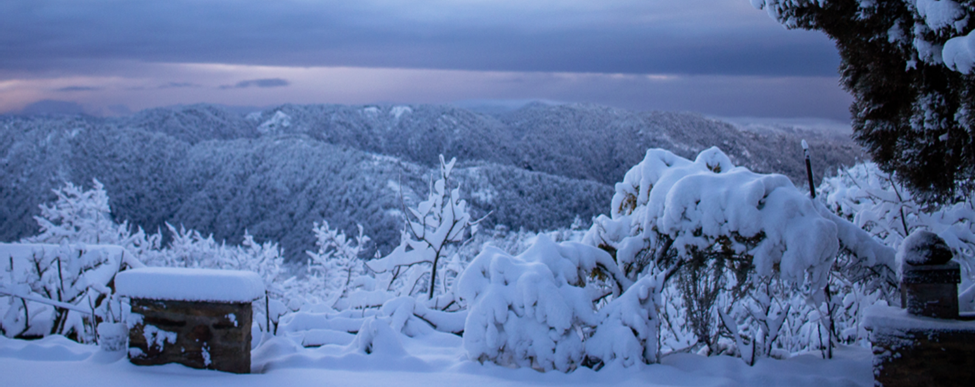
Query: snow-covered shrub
(628, 327)
(333, 269)
(190, 249)
(431, 228)
(59, 289)
(668, 207)
(84, 216)
(532, 310)
(875, 202)
(724, 228)
(58, 281)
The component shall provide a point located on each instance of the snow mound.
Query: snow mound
(923, 248)
(376, 336)
(959, 53)
(180, 284)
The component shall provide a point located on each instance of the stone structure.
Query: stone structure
(208, 335)
(927, 343)
(196, 317)
(920, 351)
(931, 290)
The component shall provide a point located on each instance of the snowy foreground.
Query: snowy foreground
(435, 360)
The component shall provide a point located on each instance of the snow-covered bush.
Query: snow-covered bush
(84, 216)
(874, 201)
(533, 310)
(667, 208)
(725, 229)
(431, 228)
(59, 281)
(333, 269)
(59, 289)
(190, 249)
(628, 327)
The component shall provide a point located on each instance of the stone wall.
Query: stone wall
(920, 351)
(205, 335)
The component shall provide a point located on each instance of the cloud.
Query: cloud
(262, 83)
(177, 85)
(696, 37)
(78, 88)
(719, 95)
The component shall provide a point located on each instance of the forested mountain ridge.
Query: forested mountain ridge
(276, 172)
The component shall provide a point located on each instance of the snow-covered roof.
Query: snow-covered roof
(181, 284)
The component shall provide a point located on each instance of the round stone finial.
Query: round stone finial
(924, 248)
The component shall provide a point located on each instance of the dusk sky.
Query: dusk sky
(717, 57)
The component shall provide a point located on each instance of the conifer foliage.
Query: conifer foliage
(908, 65)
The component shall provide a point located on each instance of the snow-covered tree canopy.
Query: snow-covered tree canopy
(908, 64)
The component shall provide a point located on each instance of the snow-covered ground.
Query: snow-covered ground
(435, 360)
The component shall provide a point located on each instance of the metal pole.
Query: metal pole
(805, 151)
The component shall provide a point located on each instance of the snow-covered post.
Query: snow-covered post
(929, 281)
(805, 152)
(431, 227)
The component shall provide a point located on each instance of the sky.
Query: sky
(717, 57)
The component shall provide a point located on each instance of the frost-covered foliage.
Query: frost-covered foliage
(60, 289)
(334, 269)
(432, 228)
(190, 249)
(532, 310)
(84, 216)
(875, 202)
(908, 65)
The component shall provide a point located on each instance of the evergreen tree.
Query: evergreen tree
(908, 66)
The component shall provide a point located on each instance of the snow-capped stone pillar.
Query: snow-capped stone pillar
(929, 280)
(200, 318)
(925, 343)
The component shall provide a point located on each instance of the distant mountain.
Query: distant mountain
(193, 123)
(275, 172)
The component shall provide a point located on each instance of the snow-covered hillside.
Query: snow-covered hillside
(276, 172)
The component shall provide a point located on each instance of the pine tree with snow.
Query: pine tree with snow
(908, 64)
